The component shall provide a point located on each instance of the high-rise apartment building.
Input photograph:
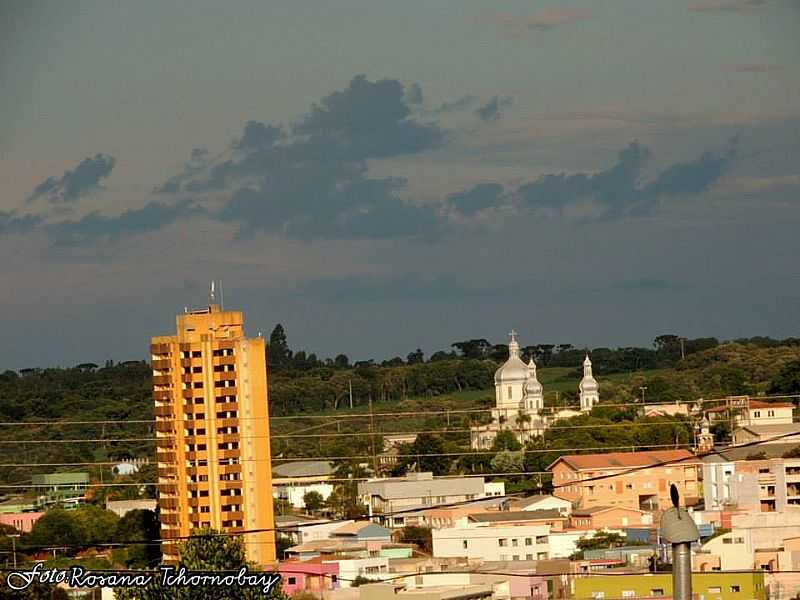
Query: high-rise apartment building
(212, 431)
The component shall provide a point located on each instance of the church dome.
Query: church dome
(513, 370)
(588, 383)
(532, 385)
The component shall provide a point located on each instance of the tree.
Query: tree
(478, 348)
(506, 440)
(415, 357)
(602, 540)
(341, 361)
(421, 536)
(98, 524)
(140, 525)
(279, 353)
(508, 462)
(35, 591)
(313, 501)
(787, 381)
(361, 580)
(426, 448)
(56, 527)
(206, 550)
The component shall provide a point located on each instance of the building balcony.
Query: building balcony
(162, 395)
(233, 516)
(226, 391)
(169, 519)
(167, 504)
(164, 426)
(167, 488)
(162, 379)
(163, 411)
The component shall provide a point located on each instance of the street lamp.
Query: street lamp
(643, 388)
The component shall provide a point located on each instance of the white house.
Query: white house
(514, 542)
(542, 502)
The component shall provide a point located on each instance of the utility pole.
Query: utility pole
(350, 385)
(372, 438)
(644, 389)
(683, 353)
(14, 537)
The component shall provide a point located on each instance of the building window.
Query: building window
(529, 557)
(714, 590)
(598, 595)
(528, 541)
(291, 580)
(628, 594)
(515, 542)
(509, 393)
(515, 557)
(657, 592)
(464, 544)
(735, 589)
(502, 542)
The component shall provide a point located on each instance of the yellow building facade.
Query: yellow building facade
(705, 586)
(212, 432)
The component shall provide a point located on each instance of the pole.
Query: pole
(14, 548)
(350, 384)
(682, 571)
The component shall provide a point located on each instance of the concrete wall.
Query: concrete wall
(485, 542)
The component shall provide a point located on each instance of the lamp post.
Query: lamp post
(643, 388)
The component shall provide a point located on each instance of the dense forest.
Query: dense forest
(301, 385)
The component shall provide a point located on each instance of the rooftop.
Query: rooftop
(522, 515)
(303, 468)
(593, 510)
(621, 460)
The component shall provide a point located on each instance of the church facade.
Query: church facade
(519, 401)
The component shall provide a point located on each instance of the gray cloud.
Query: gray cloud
(151, 217)
(476, 199)
(197, 162)
(457, 104)
(11, 223)
(738, 6)
(414, 94)
(76, 183)
(618, 189)
(493, 109)
(516, 26)
(314, 182)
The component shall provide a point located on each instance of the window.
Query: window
(529, 557)
(727, 540)
(738, 540)
(628, 594)
(291, 580)
(509, 393)
(502, 542)
(598, 595)
(657, 592)
(515, 542)
(714, 590)
(464, 544)
(735, 589)
(528, 541)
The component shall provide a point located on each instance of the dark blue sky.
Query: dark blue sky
(381, 176)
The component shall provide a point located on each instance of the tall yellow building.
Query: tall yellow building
(212, 431)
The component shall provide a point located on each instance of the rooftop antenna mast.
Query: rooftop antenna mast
(221, 295)
(212, 296)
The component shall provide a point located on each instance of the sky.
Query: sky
(384, 176)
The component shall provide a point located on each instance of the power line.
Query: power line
(396, 414)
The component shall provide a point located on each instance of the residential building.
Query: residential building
(334, 548)
(313, 576)
(496, 542)
(212, 431)
(294, 526)
(609, 517)
(121, 507)
(564, 544)
(450, 516)
(362, 531)
(17, 504)
(744, 411)
(551, 517)
(60, 488)
(371, 568)
(420, 491)
(291, 481)
(634, 479)
(541, 502)
(712, 586)
(731, 477)
(767, 434)
(389, 591)
(21, 521)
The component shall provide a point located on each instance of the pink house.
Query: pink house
(311, 575)
(528, 586)
(22, 522)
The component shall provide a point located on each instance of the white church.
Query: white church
(519, 401)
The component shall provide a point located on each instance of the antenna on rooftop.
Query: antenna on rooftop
(211, 294)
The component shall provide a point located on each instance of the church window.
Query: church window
(509, 393)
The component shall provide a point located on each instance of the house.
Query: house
(387, 591)
(313, 576)
(294, 526)
(121, 507)
(21, 521)
(541, 502)
(362, 531)
(551, 517)
(384, 497)
(783, 433)
(495, 542)
(713, 586)
(666, 410)
(605, 517)
(638, 480)
(745, 411)
(336, 548)
(291, 481)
